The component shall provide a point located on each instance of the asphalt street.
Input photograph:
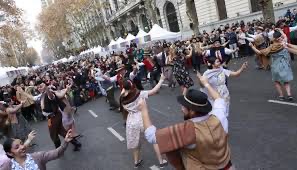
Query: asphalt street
(263, 135)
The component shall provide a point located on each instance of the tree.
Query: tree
(31, 57)
(66, 19)
(267, 10)
(10, 9)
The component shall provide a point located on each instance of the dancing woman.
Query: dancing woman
(18, 125)
(3, 157)
(180, 73)
(129, 98)
(20, 159)
(216, 76)
(280, 64)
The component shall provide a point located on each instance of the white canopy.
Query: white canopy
(120, 40)
(158, 33)
(112, 42)
(130, 37)
(141, 33)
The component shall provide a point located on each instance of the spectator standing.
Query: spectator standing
(232, 37)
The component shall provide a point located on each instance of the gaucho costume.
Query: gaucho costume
(52, 109)
(200, 143)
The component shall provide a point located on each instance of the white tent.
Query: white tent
(130, 37)
(158, 33)
(141, 34)
(112, 44)
(120, 40)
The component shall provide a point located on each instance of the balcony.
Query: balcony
(124, 10)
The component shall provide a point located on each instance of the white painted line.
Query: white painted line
(93, 113)
(165, 85)
(154, 167)
(281, 102)
(116, 134)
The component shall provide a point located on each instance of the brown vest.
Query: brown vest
(212, 151)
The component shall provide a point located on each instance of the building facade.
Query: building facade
(127, 16)
(46, 3)
(117, 18)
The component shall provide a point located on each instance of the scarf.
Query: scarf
(29, 164)
(273, 48)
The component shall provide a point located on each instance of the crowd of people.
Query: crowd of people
(54, 92)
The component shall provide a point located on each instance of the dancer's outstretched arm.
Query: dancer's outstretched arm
(239, 71)
(157, 87)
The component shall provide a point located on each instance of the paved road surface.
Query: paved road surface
(262, 134)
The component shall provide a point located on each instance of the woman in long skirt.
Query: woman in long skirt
(281, 70)
(129, 99)
(216, 76)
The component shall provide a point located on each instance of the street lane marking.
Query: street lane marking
(93, 113)
(154, 167)
(116, 134)
(165, 85)
(281, 102)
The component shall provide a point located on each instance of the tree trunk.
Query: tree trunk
(192, 14)
(267, 10)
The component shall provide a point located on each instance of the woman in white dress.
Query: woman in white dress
(129, 100)
(217, 76)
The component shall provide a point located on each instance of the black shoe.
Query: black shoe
(162, 165)
(290, 98)
(281, 98)
(78, 136)
(137, 165)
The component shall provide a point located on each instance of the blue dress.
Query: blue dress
(281, 67)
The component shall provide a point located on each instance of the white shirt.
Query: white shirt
(227, 51)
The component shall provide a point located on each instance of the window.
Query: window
(255, 7)
(172, 17)
(221, 6)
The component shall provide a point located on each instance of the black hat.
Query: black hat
(195, 100)
(277, 34)
(217, 39)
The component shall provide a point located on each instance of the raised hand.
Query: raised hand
(68, 136)
(244, 65)
(32, 135)
(162, 77)
(203, 80)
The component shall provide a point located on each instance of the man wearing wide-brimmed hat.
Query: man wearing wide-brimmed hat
(199, 143)
(219, 51)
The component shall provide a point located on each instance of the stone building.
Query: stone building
(127, 16)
